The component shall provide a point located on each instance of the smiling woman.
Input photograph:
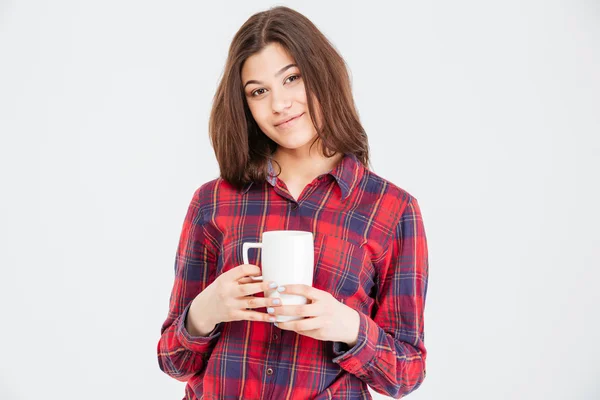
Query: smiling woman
(278, 102)
(285, 89)
(283, 67)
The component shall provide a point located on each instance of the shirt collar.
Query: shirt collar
(347, 173)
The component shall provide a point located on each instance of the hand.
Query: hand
(328, 318)
(229, 298)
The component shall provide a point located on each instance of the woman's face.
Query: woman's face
(274, 90)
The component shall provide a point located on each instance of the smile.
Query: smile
(289, 123)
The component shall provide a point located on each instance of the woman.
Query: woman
(284, 91)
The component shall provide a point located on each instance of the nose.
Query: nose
(280, 101)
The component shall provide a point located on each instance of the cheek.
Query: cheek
(300, 94)
(259, 113)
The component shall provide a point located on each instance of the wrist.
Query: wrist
(198, 326)
(354, 328)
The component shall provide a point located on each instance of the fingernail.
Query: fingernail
(272, 319)
(270, 310)
(281, 288)
(276, 301)
(275, 323)
(273, 285)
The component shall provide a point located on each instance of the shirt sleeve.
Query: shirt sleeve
(390, 353)
(181, 355)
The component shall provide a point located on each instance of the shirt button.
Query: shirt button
(275, 336)
(269, 371)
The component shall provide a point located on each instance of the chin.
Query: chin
(294, 140)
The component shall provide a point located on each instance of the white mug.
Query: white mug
(288, 257)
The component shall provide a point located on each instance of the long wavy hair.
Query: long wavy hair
(241, 148)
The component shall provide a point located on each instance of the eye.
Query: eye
(294, 76)
(253, 93)
(256, 92)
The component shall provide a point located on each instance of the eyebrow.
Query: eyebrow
(281, 71)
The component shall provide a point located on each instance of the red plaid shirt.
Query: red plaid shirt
(370, 253)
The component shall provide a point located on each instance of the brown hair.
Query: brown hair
(241, 148)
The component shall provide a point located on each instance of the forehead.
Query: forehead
(264, 64)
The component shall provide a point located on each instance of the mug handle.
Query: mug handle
(245, 248)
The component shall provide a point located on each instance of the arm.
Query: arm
(390, 353)
(180, 354)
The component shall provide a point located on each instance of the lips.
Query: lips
(288, 120)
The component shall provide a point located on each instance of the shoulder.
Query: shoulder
(392, 207)
(391, 196)
(207, 188)
(214, 191)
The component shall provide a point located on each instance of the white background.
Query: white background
(486, 112)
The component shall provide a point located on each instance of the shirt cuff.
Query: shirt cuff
(199, 344)
(355, 359)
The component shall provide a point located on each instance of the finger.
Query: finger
(254, 316)
(300, 310)
(247, 289)
(243, 270)
(248, 279)
(257, 302)
(304, 290)
(302, 325)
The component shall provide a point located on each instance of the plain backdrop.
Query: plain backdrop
(486, 112)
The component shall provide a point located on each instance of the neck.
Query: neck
(303, 167)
